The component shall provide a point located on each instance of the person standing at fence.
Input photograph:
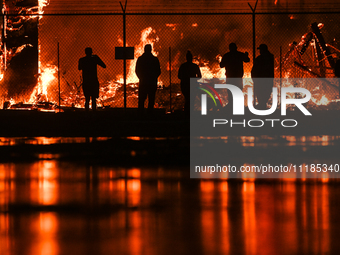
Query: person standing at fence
(147, 70)
(263, 68)
(233, 61)
(88, 66)
(186, 71)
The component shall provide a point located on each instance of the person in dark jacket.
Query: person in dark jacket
(147, 70)
(263, 68)
(88, 66)
(186, 71)
(233, 61)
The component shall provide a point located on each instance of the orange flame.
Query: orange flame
(47, 75)
(42, 4)
(139, 50)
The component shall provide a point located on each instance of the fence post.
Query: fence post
(254, 39)
(59, 74)
(254, 33)
(280, 70)
(170, 77)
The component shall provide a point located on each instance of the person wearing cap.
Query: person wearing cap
(186, 71)
(263, 67)
(233, 61)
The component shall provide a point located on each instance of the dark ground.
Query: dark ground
(120, 123)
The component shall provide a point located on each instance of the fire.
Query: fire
(110, 89)
(108, 92)
(42, 4)
(139, 50)
(47, 75)
(210, 72)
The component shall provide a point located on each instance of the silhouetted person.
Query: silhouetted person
(88, 65)
(263, 68)
(147, 70)
(186, 71)
(232, 61)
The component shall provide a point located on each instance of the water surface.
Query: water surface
(58, 207)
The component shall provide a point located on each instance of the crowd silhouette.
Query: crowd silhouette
(148, 71)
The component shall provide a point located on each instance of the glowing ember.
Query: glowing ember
(173, 26)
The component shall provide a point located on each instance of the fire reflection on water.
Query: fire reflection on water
(249, 217)
(44, 183)
(9, 141)
(274, 141)
(46, 226)
(152, 205)
(264, 210)
(214, 222)
(4, 233)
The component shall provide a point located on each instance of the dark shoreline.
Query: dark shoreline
(121, 123)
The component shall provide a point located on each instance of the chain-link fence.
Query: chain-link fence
(30, 59)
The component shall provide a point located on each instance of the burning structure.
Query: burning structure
(313, 58)
(30, 59)
(22, 78)
(20, 47)
(321, 62)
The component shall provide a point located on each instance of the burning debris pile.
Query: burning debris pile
(315, 61)
(313, 58)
